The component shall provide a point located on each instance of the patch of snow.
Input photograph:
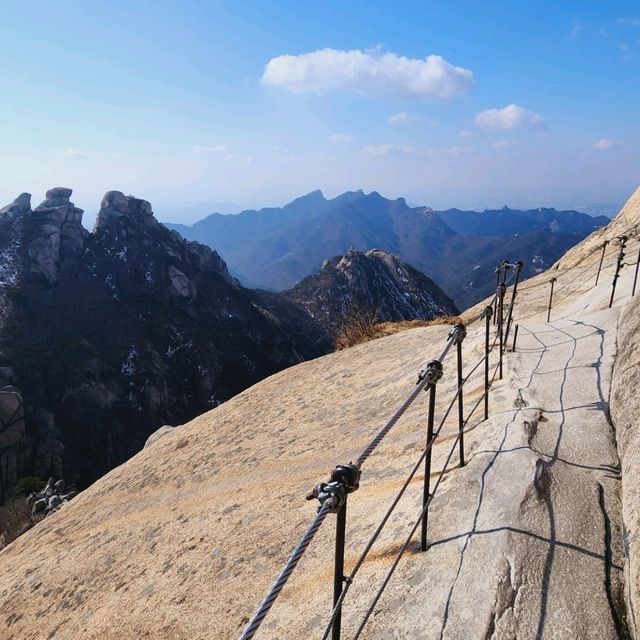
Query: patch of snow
(8, 264)
(129, 365)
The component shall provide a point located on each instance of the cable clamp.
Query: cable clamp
(458, 333)
(432, 372)
(345, 478)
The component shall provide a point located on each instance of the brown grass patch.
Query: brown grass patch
(361, 327)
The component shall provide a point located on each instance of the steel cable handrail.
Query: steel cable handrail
(418, 521)
(349, 579)
(281, 580)
(333, 495)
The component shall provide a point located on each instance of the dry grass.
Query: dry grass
(363, 328)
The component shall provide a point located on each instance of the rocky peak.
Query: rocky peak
(51, 233)
(116, 206)
(376, 281)
(20, 206)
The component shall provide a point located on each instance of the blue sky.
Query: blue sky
(447, 103)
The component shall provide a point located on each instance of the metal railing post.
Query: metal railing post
(553, 282)
(495, 300)
(345, 479)
(501, 277)
(433, 373)
(519, 266)
(488, 312)
(635, 277)
(623, 243)
(501, 290)
(515, 337)
(461, 335)
(338, 567)
(604, 248)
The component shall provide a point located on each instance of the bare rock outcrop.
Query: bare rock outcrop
(20, 206)
(625, 411)
(12, 436)
(376, 283)
(55, 233)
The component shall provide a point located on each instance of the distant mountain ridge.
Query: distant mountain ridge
(275, 248)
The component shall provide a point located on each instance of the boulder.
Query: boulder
(39, 506)
(160, 433)
(116, 206)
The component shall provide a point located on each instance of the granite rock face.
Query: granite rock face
(110, 334)
(625, 411)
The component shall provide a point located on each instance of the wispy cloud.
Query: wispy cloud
(465, 134)
(576, 28)
(504, 145)
(509, 117)
(76, 154)
(403, 117)
(634, 22)
(340, 138)
(200, 149)
(384, 150)
(605, 144)
(369, 72)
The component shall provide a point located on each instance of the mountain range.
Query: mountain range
(275, 248)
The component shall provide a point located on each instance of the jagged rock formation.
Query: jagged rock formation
(276, 248)
(526, 538)
(109, 334)
(375, 282)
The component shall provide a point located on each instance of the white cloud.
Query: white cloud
(634, 22)
(503, 145)
(509, 117)
(465, 134)
(368, 73)
(70, 152)
(605, 144)
(199, 149)
(403, 117)
(340, 138)
(384, 150)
